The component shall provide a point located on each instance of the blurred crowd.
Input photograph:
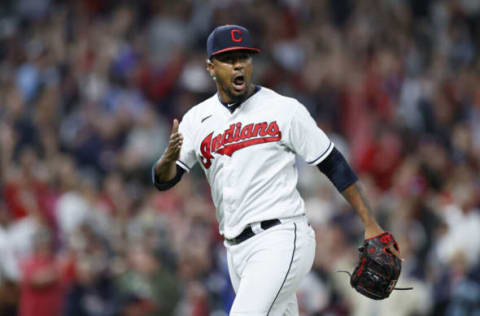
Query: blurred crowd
(88, 91)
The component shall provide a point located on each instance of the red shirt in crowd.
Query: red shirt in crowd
(41, 298)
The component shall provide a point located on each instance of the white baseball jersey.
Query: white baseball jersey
(248, 156)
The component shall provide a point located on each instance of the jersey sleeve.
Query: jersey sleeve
(306, 139)
(187, 154)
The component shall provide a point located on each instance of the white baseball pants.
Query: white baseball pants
(266, 269)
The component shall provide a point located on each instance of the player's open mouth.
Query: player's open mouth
(239, 83)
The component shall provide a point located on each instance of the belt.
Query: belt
(248, 232)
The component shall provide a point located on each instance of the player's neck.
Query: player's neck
(227, 99)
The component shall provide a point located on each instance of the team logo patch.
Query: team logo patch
(236, 138)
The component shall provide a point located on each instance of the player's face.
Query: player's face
(233, 71)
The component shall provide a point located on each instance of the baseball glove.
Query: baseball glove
(377, 272)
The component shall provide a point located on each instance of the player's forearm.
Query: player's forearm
(165, 169)
(358, 201)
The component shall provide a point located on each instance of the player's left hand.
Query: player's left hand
(377, 271)
(374, 230)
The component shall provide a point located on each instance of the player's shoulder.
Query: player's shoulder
(200, 109)
(281, 101)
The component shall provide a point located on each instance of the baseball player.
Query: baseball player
(245, 138)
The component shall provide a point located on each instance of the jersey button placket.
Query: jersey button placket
(229, 180)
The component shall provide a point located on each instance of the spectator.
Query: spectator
(155, 290)
(42, 287)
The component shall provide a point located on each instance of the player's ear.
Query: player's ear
(210, 68)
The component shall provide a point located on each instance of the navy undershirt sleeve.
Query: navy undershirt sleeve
(337, 169)
(162, 186)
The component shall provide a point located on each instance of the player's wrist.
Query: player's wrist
(372, 229)
(165, 169)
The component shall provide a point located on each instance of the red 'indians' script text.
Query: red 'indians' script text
(236, 138)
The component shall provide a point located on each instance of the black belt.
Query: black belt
(248, 232)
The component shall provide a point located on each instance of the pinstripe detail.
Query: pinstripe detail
(323, 155)
(289, 267)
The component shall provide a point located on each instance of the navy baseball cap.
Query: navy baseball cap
(227, 38)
